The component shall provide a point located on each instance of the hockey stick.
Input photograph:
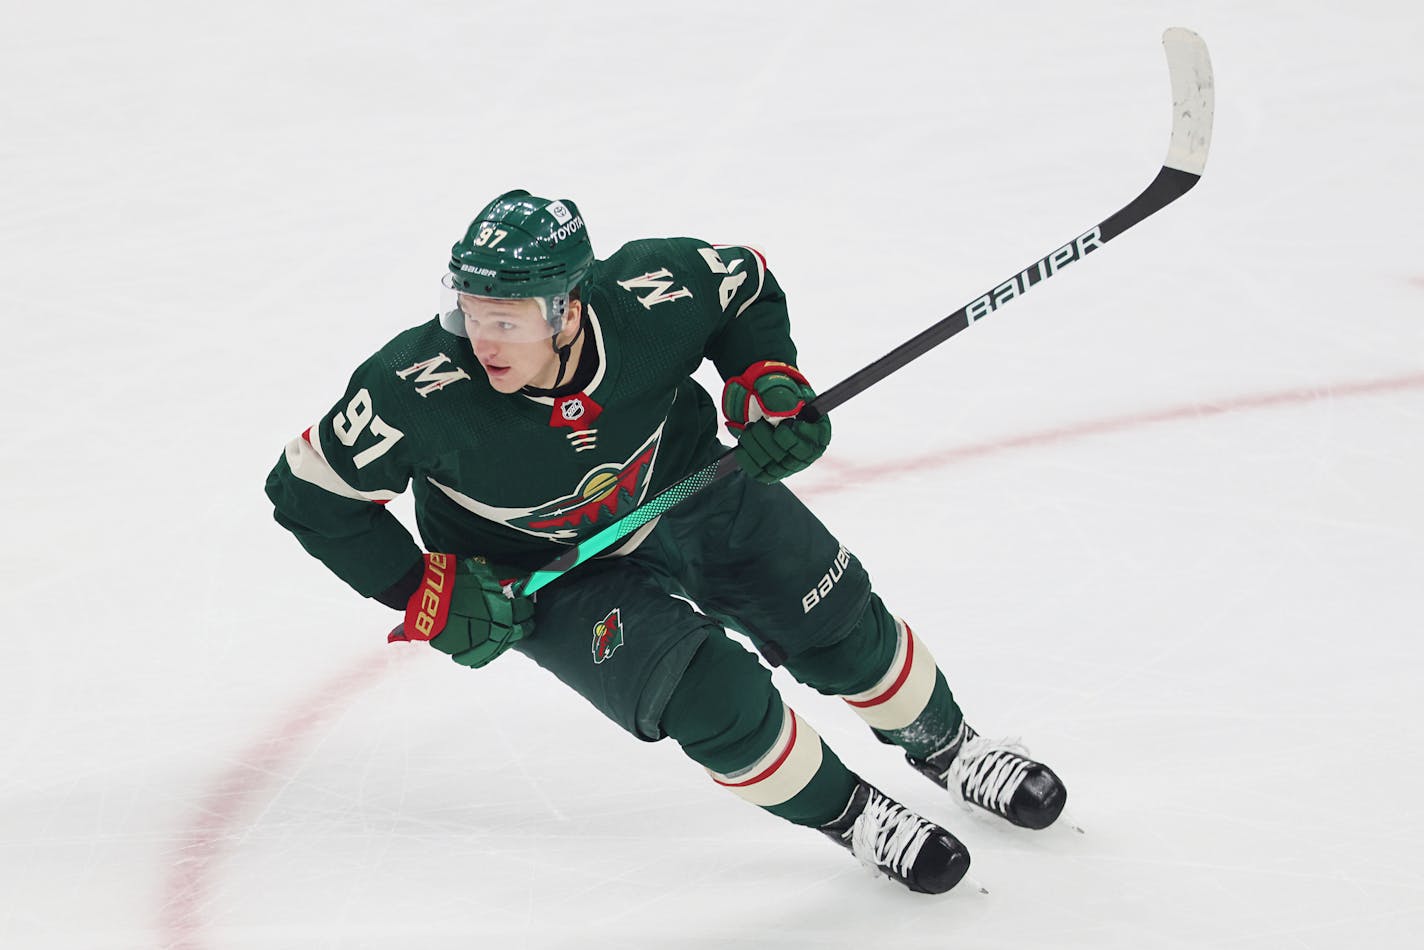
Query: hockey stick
(1193, 101)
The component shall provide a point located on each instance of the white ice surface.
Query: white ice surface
(1163, 517)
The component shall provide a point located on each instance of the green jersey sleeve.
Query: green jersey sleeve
(331, 484)
(755, 325)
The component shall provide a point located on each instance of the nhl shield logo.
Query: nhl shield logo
(607, 636)
(576, 412)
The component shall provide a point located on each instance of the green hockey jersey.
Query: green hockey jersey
(514, 477)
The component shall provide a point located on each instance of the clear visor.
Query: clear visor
(512, 319)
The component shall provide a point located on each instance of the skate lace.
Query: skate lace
(989, 771)
(888, 835)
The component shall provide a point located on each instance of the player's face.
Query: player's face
(511, 340)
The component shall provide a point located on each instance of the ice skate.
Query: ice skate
(998, 776)
(890, 839)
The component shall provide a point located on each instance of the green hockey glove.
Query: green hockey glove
(761, 406)
(463, 610)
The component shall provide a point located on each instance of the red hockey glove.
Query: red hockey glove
(463, 610)
(761, 406)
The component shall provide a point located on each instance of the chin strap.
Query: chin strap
(564, 352)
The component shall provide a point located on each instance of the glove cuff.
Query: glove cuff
(740, 403)
(429, 607)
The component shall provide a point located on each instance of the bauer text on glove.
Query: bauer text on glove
(463, 610)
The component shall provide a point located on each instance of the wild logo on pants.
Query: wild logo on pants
(607, 636)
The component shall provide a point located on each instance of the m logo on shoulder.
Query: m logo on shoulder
(429, 380)
(659, 284)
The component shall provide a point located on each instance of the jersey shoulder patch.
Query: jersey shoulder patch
(433, 374)
(424, 360)
(663, 270)
(653, 271)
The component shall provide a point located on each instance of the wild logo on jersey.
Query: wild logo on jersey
(604, 494)
(597, 500)
(607, 636)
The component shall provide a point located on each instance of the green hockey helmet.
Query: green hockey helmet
(518, 247)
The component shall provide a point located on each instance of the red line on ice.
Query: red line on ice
(217, 827)
(850, 475)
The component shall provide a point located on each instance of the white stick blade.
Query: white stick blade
(1193, 99)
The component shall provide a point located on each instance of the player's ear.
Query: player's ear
(572, 316)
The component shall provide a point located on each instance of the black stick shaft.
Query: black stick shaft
(1169, 185)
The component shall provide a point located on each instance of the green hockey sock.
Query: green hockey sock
(933, 728)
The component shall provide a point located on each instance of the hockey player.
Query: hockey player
(551, 395)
